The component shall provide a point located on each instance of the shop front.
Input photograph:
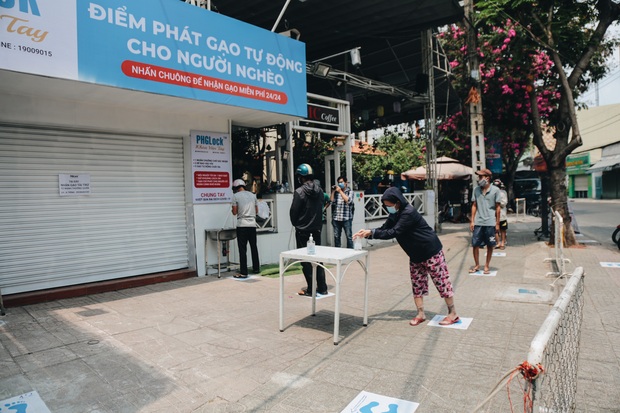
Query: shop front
(115, 128)
(579, 179)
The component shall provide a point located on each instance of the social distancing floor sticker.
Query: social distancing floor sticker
(496, 254)
(462, 324)
(25, 403)
(249, 277)
(610, 264)
(320, 296)
(482, 274)
(367, 402)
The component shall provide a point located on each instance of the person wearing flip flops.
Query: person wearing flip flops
(425, 251)
(485, 218)
(503, 214)
(245, 207)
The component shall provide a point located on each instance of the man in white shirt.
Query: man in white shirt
(245, 207)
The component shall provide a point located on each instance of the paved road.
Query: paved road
(597, 218)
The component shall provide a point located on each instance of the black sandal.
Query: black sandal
(240, 276)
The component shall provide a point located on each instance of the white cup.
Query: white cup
(357, 244)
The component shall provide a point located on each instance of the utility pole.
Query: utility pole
(476, 120)
(430, 122)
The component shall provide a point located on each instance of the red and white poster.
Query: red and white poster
(211, 167)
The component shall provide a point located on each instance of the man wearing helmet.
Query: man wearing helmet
(245, 207)
(307, 217)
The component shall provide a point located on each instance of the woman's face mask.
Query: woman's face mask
(341, 185)
(391, 209)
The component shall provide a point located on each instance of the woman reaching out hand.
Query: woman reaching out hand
(424, 249)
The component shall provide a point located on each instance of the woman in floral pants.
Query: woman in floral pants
(426, 258)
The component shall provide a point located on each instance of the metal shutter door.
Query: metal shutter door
(581, 182)
(132, 223)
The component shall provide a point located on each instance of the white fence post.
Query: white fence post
(520, 208)
(558, 247)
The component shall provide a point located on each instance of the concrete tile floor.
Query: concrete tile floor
(213, 345)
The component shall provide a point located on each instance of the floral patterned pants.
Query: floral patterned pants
(437, 269)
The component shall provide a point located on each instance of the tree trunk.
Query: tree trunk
(559, 203)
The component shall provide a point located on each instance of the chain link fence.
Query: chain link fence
(556, 348)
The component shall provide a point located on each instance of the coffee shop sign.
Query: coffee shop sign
(323, 114)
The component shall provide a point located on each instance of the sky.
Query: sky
(609, 87)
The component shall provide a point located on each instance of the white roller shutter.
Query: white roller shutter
(132, 223)
(581, 182)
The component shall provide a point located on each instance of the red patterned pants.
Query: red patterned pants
(437, 269)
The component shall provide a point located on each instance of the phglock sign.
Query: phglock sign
(211, 167)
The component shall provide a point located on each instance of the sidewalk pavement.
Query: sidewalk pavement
(213, 345)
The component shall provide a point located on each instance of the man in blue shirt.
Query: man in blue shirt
(342, 214)
(485, 217)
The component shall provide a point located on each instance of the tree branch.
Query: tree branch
(536, 124)
(569, 101)
(608, 13)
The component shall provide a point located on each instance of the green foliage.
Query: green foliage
(392, 152)
(572, 34)
(247, 151)
(507, 67)
(568, 27)
(310, 149)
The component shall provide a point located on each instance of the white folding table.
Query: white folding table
(342, 258)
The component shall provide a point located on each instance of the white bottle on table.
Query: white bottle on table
(310, 246)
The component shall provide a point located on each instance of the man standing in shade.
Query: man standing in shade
(342, 214)
(245, 207)
(306, 215)
(485, 217)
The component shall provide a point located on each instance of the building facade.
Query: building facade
(594, 168)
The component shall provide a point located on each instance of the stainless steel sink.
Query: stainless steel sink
(222, 234)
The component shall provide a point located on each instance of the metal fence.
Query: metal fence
(556, 348)
(268, 224)
(373, 209)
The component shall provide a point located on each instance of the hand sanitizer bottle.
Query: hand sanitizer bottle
(311, 250)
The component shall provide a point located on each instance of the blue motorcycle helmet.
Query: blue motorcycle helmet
(304, 170)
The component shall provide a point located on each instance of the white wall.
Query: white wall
(270, 244)
(37, 110)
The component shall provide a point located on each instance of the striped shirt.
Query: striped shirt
(341, 211)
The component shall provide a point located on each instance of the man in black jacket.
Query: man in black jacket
(307, 217)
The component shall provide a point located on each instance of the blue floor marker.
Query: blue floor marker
(25, 403)
(366, 402)
(610, 264)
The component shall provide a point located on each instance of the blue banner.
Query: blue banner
(160, 46)
(494, 156)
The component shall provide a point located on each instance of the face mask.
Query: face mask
(391, 209)
(482, 183)
(341, 185)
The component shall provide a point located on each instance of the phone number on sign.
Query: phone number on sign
(34, 50)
